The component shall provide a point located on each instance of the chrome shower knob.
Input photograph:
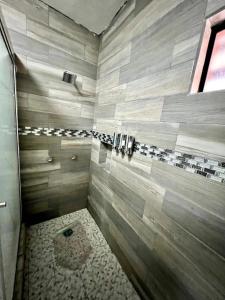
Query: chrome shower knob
(2, 204)
(74, 157)
(50, 159)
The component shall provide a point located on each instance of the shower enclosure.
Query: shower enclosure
(10, 210)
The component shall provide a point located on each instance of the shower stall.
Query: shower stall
(10, 210)
(121, 157)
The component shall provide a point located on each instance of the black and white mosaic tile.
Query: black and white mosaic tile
(212, 169)
(61, 132)
(98, 276)
(105, 138)
(209, 168)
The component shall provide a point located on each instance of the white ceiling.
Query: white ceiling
(95, 15)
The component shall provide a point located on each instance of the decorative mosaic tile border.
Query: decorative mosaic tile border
(61, 132)
(212, 169)
(105, 138)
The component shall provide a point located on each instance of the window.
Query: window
(213, 74)
(210, 69)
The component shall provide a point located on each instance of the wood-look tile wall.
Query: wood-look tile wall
(167, 226)
(46, 44)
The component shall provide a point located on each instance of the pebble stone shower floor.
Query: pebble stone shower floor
(56, 269)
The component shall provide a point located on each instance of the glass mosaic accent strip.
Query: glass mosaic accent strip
(61, 132)
(215, 170)
(212, 169)
(105, 138)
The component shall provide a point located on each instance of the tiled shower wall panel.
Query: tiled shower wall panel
(56, 188)
(46, 44)
(165, 224)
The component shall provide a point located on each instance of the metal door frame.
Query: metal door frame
(7, 41)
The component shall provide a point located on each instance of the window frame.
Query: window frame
(212, 27)
(214, 30)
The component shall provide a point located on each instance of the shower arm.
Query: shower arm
(78, 83)
(72, 78)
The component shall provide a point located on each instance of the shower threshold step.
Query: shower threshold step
(76, 265)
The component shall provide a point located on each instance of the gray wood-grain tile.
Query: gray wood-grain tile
(46, 44)
(165, 224)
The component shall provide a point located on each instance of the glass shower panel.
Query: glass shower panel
(9, 175)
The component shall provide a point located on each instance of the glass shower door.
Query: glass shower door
(9, 172)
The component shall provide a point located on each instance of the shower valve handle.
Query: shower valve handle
(2, 204)
(50, 159)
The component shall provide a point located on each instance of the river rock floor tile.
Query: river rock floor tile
(53, 269)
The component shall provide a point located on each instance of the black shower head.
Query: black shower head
(76, 81)
(69, 77)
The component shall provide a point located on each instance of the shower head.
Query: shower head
(76, 81)
(69, 77)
